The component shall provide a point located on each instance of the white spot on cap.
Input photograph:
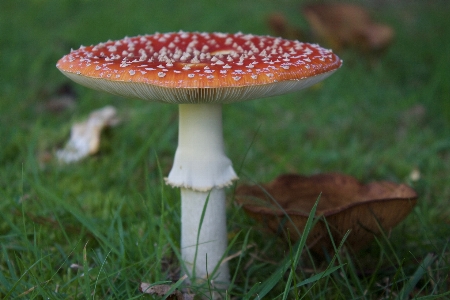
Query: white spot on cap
(195, 60)
(161, 74)
(191, 75)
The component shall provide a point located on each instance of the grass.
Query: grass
(98, 228)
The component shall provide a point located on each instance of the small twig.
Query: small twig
(236, 254)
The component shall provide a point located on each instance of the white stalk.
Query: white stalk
(200, 162)
(212, 242)
(202, 169)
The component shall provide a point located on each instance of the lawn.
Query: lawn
(111, 215)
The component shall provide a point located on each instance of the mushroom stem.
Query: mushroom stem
(200, 162)
(212, 241)
(201, 169)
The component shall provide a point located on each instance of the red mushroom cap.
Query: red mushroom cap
(197, 67)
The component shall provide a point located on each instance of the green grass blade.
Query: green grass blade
(99, 272)
(243, 248)
(175, 286)
(409, 286)
(22, 276)
(86, 277)
(276, 277)
(319, 276)
(202, 217)
(159, 250)
(252, 291)
(432, 297)
(334, 258)
(78, 215)
(224, 256)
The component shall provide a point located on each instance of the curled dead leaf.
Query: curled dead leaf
(345, 203)
(280, 26)
(342, 25)
(161, 290)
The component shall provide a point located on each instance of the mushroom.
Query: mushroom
(200, 72)
(284, 204)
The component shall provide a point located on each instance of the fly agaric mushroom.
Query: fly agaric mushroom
(200, 72)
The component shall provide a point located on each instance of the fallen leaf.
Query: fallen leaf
(161, 290)
(85, 136)
(341, 25)
(345, 203)
(279, 26)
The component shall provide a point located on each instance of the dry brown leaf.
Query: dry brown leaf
(279, 26)
(159, 290)
(344, 202)
(341, 25)
(162, 289)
